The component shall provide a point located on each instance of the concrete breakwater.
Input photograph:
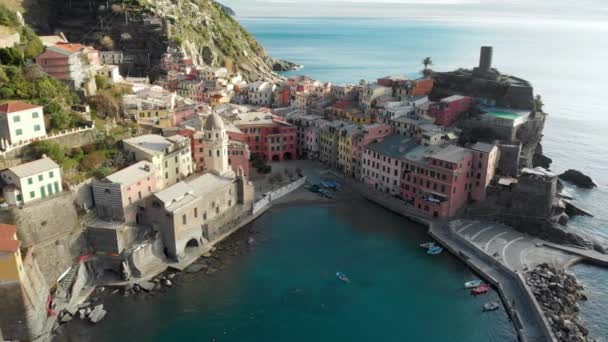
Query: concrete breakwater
(519, 301)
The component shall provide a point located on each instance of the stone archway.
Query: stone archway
(287, 156)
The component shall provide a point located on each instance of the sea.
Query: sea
(286, 290)
(565, 60)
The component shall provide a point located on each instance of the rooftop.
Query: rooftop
(16, 106)
(254, 118)
(8, 243)
(182, 193)
(33, 168)
(132, 174)
(482, 147)
(444, 152)
(150, 143)
(453, 98)
(394, 146)
(504, 113)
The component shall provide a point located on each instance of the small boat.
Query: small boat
(472, 284)
(342, 277)
(480, 289)
(491, 306)
(314, 188)
(434, 250)
(427, 245)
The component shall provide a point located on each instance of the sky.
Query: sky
(583, 11)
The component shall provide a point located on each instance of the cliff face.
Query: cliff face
(143, 29)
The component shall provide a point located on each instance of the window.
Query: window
(204, 216)
(19, 198)
(19, 132)
(40, 177)
(195, 212)
(51, 174)
(36, 128)
(139, 194)
(184, 220)
(35, 115)
(32, 194)
(16, 118)
(56, 184)
(30, 181)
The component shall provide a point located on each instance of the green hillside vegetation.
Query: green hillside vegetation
(21, 79)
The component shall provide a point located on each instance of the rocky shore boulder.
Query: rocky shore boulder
(558, 293)
(578, 178)
(97, 314)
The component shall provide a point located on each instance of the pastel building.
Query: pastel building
(20, 122)
(31, 181)
(268, 135)
(260, 93)
(70, 63)
(447, 111)
(171, 156)
(437, 180)
(11, 263)
(119, 196)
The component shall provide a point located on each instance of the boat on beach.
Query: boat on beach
(342, 277)
(480, 289)
(434, 250)
(472, 284)
(491, 306)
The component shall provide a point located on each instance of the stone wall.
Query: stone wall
(276, 195)
(53, 227)
(23, 313)
(15, 157)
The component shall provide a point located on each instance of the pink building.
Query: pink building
(437, 180)
(370, 134)
(268, 135)
(183, 114)
(119, 196)
(447, 111)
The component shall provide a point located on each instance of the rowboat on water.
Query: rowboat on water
(434, 250)
(427, 245)
(480, 289)
(472, 284)
(342, 277)
(491, 306)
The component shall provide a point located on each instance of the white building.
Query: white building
(20, 121)
(31, 181)
(215, 145)
(110, 71)
(260, 93)
(171, 155)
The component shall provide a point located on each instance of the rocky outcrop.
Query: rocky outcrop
(578, 178)
(226, 9)
(539, 159)
(279, 65)
(558, 293)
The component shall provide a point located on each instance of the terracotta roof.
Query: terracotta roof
(70, 47)
(7, 231)
(16, 106)
(8, 243)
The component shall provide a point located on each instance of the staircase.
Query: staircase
(69, 279)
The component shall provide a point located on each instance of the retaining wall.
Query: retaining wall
(275, 195)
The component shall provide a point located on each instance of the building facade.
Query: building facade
(31, 181)
(21, 121)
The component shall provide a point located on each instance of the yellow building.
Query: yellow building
(11, 264)
(346, 149)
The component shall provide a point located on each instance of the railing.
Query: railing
(6, 147)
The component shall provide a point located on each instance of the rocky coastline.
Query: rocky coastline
(279, 65)
(558, 293)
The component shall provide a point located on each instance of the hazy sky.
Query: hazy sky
(582, 11)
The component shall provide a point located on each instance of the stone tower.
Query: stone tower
(215, 145)
(485, 59)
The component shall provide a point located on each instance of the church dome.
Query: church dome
(214, 122)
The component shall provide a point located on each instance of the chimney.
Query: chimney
(485, 58)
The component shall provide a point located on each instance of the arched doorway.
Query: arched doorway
(287, 156)
(275, 158)
(191, 245)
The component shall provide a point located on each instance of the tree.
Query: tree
(106, 42)
(48, 148)
(102, 82)
(93, 161)
(33, 72)
(538, 104)
(426, 62)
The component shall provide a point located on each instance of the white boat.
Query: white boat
(434, 250)
(491, 306)
(472, 284)
(427, 245)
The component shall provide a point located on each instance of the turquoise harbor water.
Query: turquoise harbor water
(286, 289)
(564, 60)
